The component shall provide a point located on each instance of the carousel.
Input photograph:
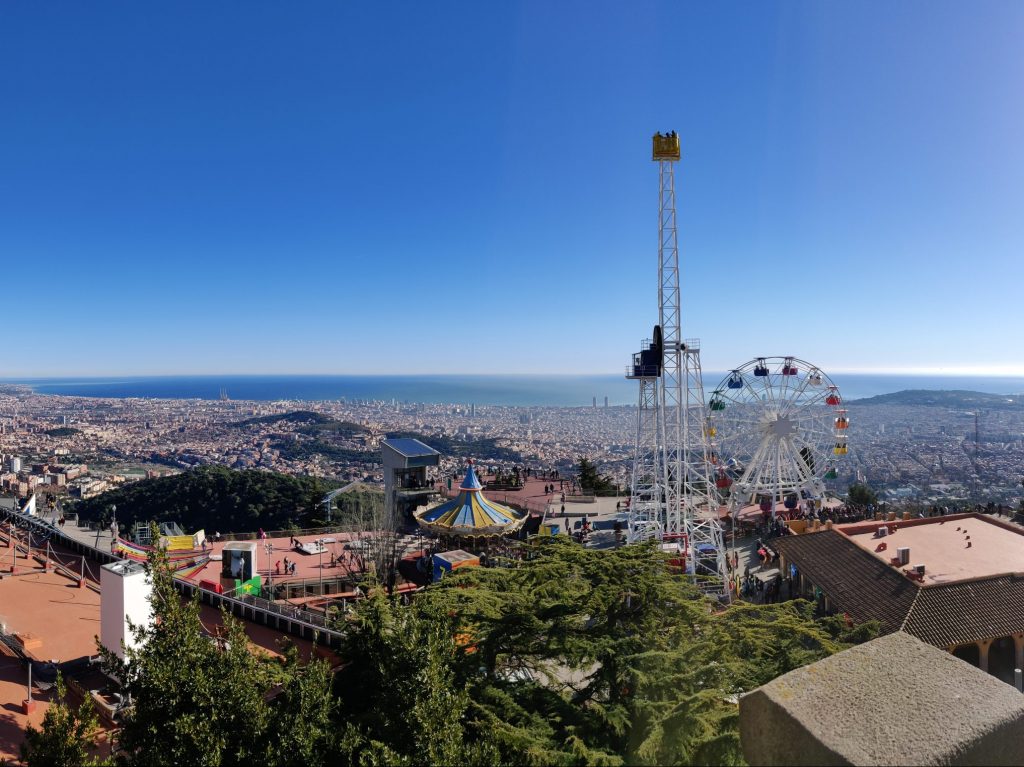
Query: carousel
(470, 517)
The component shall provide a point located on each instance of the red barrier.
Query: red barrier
(211, 586)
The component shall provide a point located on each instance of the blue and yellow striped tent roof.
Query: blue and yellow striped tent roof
(470, 513)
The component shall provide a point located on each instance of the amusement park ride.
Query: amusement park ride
(771, 433)
(779, 427)
(673, 497)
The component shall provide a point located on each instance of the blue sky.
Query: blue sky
(458, 187)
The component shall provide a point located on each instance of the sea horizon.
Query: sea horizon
(516, 390)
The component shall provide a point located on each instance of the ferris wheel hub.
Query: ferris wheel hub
(781, 426)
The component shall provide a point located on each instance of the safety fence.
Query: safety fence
(290, 619)
(286, 618)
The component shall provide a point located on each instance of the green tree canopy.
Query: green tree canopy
(591, 481)
(200, 699)
(575, 657)
(571, 656)
(215, 498)
(67, 735)
(861, 496)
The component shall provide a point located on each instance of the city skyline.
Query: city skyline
(332, 190)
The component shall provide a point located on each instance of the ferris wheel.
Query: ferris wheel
(777, 428)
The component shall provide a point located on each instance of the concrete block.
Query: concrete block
(895, 700)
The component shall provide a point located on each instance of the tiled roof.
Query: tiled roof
(854, 580)
(860, 584)
(957, 613)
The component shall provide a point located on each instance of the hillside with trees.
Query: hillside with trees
(215, 498)
(954, 398)
(309, 423)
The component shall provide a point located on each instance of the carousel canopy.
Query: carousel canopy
(470, 513)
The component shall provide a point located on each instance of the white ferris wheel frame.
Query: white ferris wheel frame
(765, 425)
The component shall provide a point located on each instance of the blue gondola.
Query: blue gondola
(735, 381)
(760, 369)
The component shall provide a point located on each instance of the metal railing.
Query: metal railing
(304, 623)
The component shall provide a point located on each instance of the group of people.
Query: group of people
(551, 489)
(762, 591)
(289, 567)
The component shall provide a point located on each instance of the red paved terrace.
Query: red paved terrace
(952, 549)
(306, 565)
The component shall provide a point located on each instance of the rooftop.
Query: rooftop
(952, 549)
(947, 612)
(61, 619)
(347, 561)
(410, 448)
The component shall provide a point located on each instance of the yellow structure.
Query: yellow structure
(666, 146)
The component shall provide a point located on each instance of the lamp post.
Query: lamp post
(268, 547)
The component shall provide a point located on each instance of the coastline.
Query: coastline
(479, 389)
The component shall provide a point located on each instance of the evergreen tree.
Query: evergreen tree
(301, 730)
(598, 657)
(592, 481)
(861, 496)
(66, 737)
(398, 693)
(194, 699)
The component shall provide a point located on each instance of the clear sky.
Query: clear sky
(405, 187)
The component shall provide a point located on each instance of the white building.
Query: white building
(125, 591)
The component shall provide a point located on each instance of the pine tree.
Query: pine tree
(194, 700)
(302, 730)
(66, 736)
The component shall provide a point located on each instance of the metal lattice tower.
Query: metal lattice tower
(647, 488)
(689, 509)
(668, 318)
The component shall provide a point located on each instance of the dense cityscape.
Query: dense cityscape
(480, 486)
(905, 449)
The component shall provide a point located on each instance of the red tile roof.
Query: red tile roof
(945, 614)
(853, 579)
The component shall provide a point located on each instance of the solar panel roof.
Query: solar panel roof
(410, 448)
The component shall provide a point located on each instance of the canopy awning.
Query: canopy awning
(470, 513)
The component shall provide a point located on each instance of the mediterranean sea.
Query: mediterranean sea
(512, 390)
